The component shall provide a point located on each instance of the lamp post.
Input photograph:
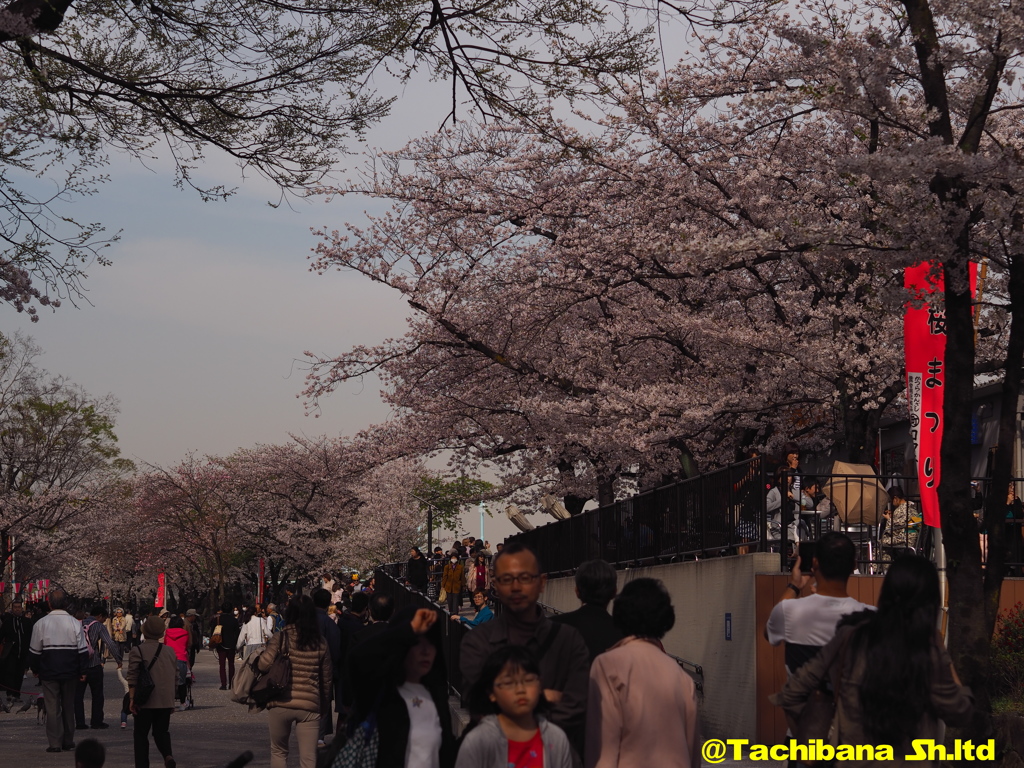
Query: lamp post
(430, 522)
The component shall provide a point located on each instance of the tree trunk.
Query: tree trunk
(860, 432)
(969, 632)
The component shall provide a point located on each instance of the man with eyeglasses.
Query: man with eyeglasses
(559, 648)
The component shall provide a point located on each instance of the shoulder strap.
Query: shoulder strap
(88, 640)
(159, 647)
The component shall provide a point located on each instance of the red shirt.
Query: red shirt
(526, 754)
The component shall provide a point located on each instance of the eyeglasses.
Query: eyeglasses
(510, 685)
(525, 579)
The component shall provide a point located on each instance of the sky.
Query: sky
(198, 328)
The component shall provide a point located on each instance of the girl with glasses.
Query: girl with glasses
(513, 734)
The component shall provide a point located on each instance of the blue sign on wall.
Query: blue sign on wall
(975, 429)
(728, 626)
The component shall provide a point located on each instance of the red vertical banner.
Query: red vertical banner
(161, 584)
(263, 577)
(924, 343)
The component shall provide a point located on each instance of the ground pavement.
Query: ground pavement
(209, 736)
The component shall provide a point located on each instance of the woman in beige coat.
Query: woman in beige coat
(642, 708)
(155, 712)
(309, 692)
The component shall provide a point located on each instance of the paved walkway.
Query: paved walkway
(209, 736)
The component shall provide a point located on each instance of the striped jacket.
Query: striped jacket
(58, 650)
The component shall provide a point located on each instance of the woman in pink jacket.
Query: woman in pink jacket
(177, 638)
(642, 709)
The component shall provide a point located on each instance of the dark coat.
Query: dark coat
(417, 573)
(563, 667)
(376, 671)
(15, 633)
(230, 630)
(595, 625)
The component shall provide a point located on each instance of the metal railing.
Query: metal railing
(726, 512)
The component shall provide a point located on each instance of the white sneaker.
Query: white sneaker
(123, 726)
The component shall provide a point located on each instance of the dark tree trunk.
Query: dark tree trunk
(860, 432)
(969, 629)
(573, 504)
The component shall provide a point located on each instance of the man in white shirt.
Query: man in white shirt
(808, 623)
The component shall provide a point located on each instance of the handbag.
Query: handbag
(360, 750)
(362, 745)
(218, 635)
(245, 678)
(276, 681)
(144, 683)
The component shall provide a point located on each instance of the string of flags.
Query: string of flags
(29, 591)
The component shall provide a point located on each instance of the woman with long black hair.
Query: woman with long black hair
(892, 678)
(399, 678)
(308, 693)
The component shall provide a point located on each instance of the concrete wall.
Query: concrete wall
(703, 593)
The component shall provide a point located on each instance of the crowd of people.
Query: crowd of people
(591, 687)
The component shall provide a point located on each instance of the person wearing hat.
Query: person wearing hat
(155, 713)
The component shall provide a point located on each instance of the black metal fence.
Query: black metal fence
(731, 511)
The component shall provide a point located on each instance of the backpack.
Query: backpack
(217, 637)
(88, 640)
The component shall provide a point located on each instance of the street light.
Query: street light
(430, 522)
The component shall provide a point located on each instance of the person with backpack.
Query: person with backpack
(95, 631)
(223, 638)
(152, 674)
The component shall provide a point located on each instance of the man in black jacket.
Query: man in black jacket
(596, 585)
(560, 651)
(15, 633)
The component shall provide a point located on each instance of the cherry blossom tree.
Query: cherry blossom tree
(388, 521)
(59, 458)
(184, 504)
(280, 88)
(561, 322)
(720, 259)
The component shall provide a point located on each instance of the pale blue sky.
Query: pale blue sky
(197, 326)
